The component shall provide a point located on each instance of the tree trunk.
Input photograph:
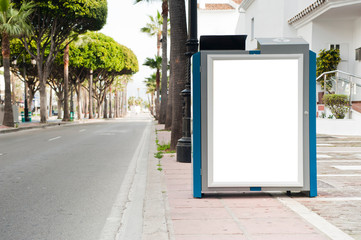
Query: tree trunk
(124, 101)
(51, 103)
(105, 113)
(178, 61)
(91, 94)
(157, 102)
(43, 96)
(60, 109)
(98, 108)
(66, 84)
(116, 103)
(13, 95)
(159, 35)
(163, 103)
(168, 119)
(78, 95)
(8, 111)
(30, 99)
(85, 102)
(110, 103)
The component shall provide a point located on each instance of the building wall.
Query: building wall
(335, 32)
(356, 44)
(217, 22)
(267, 24)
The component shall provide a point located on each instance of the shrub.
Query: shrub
(338, 104)
(327, 60)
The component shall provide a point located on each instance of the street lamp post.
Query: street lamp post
(184, 144)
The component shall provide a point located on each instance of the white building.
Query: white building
(324, 24)
(217, 17)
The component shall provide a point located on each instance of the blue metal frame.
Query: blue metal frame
(197, 127)
(312, 119)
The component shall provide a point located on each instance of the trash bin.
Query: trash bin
(22, 116)
(29, 116)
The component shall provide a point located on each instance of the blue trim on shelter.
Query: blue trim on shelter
(312, 122)
(255, 189)
(255, 52)
(197, 127)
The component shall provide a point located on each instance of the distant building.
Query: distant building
(324, 24)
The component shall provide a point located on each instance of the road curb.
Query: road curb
(55, 124)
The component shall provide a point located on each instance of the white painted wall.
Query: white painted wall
(356, 44)
(217, 22)
(267, 24)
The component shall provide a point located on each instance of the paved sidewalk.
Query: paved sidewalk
(256, 216)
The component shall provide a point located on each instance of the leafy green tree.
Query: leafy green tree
(106, 58)
(327, 60)
(56, 21)
(18, 53)
(12, 23)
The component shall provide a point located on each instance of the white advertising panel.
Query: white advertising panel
(255, 121)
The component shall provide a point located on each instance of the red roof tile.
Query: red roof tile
(218, 6)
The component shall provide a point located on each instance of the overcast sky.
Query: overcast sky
(123, 24)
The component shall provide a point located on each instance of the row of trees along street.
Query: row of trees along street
(169, 110)
(53, 43)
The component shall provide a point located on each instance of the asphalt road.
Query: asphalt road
(61, 183)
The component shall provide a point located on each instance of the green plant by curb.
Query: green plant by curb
(158, 155)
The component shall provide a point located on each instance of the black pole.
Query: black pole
(26, 108)
(184, 144)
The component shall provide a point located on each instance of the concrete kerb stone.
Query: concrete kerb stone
(52, 124)
(157, 223)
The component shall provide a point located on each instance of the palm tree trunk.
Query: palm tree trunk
(13, 96)
(8, 111)
(159, 35)
(178, 61)
(163, 103)
(157, 102)
(168, 119)
(66, 84)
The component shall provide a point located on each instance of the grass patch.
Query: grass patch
(163, 147)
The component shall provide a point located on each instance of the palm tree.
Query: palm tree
(12, 23)
(178, 60)
(155, 63)
(154, 28)
(165, 33)
(150, 83)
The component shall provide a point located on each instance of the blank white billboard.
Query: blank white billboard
(255, 120)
